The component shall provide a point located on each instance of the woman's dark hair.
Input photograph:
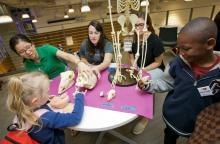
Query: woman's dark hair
(101, 43)
(16, 39)
(149, 21)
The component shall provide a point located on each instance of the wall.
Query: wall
(13, 61)
(77, 35)
(98, 11)
(178, 13)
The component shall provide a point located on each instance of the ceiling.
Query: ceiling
(54, 9)
(46, 3)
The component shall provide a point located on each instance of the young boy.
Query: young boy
(189, 78)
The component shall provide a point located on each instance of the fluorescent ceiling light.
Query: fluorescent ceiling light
(4, 14)
(25, 15)
(85, 8)
(5, 19)
(65, 15)
(71, 10)
(34, 21)
(188, 0)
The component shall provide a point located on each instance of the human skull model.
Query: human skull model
(86, 81)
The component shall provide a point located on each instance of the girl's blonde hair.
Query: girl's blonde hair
(21, 91)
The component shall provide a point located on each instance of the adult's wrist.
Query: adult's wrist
(77, 63)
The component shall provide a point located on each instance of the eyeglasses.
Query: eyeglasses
(22, 52)
(139, 25)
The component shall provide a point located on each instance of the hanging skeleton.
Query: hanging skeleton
(144, 49)
(126, 21)
(123, 20)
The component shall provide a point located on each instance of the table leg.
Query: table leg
(120, 136)
(99, 139)
(116, 134)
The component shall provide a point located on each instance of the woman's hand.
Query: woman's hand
(96, 71)
(82, 67)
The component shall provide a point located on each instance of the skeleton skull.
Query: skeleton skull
(66, 81)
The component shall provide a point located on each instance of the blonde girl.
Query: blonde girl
(27, 99)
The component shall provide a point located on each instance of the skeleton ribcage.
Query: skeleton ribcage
(123, 4)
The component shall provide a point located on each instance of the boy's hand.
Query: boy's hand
(144, 83)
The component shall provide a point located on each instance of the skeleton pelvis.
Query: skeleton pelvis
(127, 24)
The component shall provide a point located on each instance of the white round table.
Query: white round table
(96, 119)
(103, 120)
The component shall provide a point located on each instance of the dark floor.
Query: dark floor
(153, 133)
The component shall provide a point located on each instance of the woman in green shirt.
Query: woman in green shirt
(46, 58)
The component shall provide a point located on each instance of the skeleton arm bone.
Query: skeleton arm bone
(146, 12)
(138, 49)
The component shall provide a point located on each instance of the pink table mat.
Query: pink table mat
(127, 99)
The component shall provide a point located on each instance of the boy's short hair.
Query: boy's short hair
(202, 27)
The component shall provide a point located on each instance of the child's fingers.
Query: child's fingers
(145, 79)
(140, 84)
(143, 85)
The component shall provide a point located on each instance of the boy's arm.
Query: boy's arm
(164, 84)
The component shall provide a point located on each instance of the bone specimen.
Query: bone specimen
(123, 5)
(59, 102)
(144, 43)
(86, 81)
(111, 94)
(123, 20)
(101, 94)
(66, 81)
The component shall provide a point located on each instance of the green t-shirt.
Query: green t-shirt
(49, 63)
